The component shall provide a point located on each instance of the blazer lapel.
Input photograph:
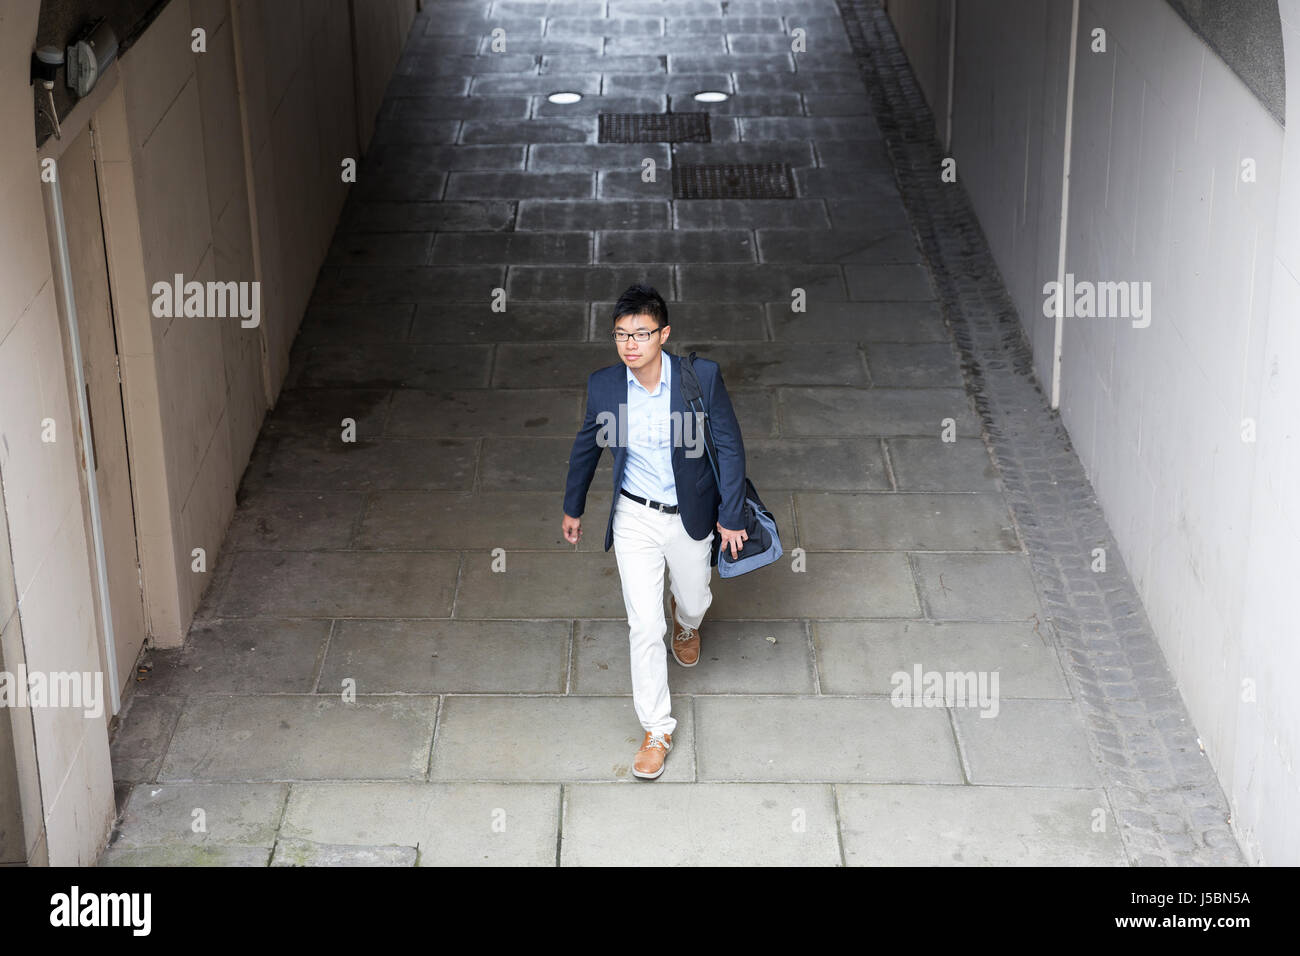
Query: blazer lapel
(677, 405)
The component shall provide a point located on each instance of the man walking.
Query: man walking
(666, 503)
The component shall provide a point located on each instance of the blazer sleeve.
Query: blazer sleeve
(583, 458)
(731, 453)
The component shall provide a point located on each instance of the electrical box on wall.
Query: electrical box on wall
(89, 56)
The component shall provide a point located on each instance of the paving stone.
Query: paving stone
(969, 587)
(931, 464)
(427, 85)
(492, 247)
(354, 324)
(752, 104)
(295, 521)
(172, 855)
(754, 364)
(724, 245)
(858, 322)
(525, 464)
(558, 739)
(528, 321)
(375, 284)
(829, 586)
(323, 584)
(460, 65)
(729, 62)
(145, 726)
(926, 365)
(628, 156)
(1031, 743)
(307, 463)
(234, 815)
(579, 129)
(239, 657)
(300, 738)
(736, 657)
(554, 215)
(705, 43)
(975, 826)
(863, 657)
(864, 156)
(451, 824)
(441, 657)
(408, 108)
(512, 185)
(427, 217)
(613, 184)
(891, 521)
(811, 127)
(842, 740)
(728, 825)
(839, 182)
(305, 853)
(381, 248)
(842, 104)
(686, 25)
(474, 412)
(749, 214)
(723, 322)
(815, 44)
(562, 63)
(659, 84)
(729, 281)
(476, 522)
(539, 585)
(796, 153)
(418, 131)
(577, 282)
(546, 45)
(887, 281)
(816, 463)
(393, 174)
(396, 365)
(748, 81)
(504, 84)
(839, 245)
(875, 411)
(536, 365)
(628, 25)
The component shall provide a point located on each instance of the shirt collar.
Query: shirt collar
(664, 361)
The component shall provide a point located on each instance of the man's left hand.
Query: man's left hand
(735, 540)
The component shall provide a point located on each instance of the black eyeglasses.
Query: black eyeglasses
(640, 335)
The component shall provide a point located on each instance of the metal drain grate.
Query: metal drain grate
(733, 181)
(654, 128)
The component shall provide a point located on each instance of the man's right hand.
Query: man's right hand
(572, 529)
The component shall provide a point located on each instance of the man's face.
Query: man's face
(637, 355)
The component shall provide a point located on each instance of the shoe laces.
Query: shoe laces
(656, 739)
(688, 633)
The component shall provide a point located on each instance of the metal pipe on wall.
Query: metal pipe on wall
(63, 286)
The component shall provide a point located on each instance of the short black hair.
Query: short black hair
(641, 300)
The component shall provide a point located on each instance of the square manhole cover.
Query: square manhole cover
(733, 181)
(654, 128)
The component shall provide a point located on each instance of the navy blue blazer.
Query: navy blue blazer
(700, 502)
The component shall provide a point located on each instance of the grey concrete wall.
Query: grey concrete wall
(1171, 419)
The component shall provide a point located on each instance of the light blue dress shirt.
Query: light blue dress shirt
(649, 469)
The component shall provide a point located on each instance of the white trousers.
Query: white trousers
(644, 539)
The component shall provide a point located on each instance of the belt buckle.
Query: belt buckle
(659, 506)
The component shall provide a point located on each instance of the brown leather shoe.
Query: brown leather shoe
(686, 640)
(649, 761)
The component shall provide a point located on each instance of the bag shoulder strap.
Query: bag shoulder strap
(695, 401)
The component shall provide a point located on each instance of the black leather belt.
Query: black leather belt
(657, 505)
